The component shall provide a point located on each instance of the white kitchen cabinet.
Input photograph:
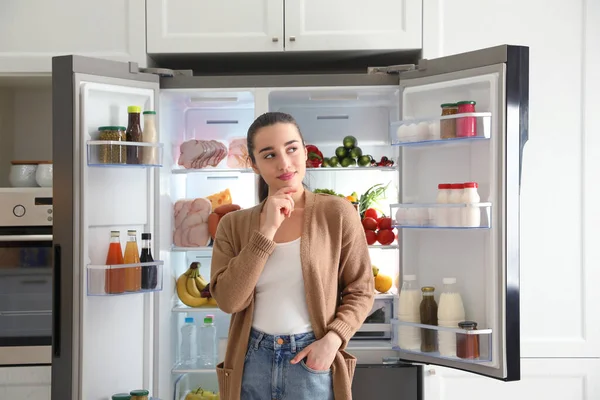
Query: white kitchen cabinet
(214, 26)
(548, 379)
(32, 32)
(312, 25)
(559, 227)
(25, 383)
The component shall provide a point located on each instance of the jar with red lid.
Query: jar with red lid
(466, 126)
(467, 345)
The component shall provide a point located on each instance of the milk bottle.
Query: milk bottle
(451, 311)
(409, 338)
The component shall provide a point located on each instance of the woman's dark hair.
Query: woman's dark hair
(267, 119)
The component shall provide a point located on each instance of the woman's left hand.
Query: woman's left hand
(321, 353)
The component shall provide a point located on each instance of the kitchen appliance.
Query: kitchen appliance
(112, 343)
(26, 217)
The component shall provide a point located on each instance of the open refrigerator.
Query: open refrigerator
(105, 343)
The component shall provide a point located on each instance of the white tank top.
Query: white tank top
(280, 302)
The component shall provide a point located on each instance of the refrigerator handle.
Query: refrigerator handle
(56, 303)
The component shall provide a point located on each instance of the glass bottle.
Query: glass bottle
(428, 310)
(134, 134)
(467, 346)
(448, 126)
(133, 275)
(149, 272)
(150, 135)
(114, 281)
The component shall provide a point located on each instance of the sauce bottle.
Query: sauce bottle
(150, 135)
(134, 134)
(428, 310)
(133, 275)
(149, 272)
(115, 277)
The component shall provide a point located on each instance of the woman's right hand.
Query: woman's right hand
(277, 208)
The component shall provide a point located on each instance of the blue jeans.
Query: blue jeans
(268, 373)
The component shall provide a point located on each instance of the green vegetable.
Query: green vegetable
(356, 152)
(350, 142)
(325, 163)
(372, 196)
(364, 161)
(341, 152)
(348, 161)
(334, 162)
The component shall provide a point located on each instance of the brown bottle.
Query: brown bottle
(134, 134)
(428, 310)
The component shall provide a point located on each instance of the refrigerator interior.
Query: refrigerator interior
(471, 255)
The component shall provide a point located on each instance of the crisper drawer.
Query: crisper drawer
(192, 381)
(378, 324)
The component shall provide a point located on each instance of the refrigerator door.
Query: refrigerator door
(480, 252)
(101, 344)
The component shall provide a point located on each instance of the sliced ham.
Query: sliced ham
(199, 154)
(237, 156)
(191, 222)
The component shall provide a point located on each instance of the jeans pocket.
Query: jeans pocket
(314, 371)
(249, 353)
(224, 377)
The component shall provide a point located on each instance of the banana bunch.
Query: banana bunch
(201, 394)
(192, 287)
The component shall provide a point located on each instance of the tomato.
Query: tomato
(386, 236)
(369, 224)
(385, 223)
(371, 213)
(371, 237)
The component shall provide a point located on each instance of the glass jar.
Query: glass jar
(141, 394)
(466, 126)
(428, 310)
(448, 126)
(112, 153)
(467, 346)
(121, 396)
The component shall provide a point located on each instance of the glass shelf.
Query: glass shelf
(108, 153)
(441, 216)
(426, 131)
(108, 280)
(206, 251)
(182, 308)
(352, 168)
(184, 369)
(209, 170)
(407, 336)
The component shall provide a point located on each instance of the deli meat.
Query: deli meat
(199, 154)
(191, 222)
(238, 154)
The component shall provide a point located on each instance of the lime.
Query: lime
(341, 152)
(364, 161)
(333, 162)
(356, 152)
(350, 142)
(348, 161)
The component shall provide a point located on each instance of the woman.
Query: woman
(295, 274)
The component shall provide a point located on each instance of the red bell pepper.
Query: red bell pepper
(315, 157)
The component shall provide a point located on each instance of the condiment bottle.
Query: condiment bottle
(441, 213)
(409, 337)
(471, 216)
(428, 312)
(149, 272)
(451, 311)
(134, 134)
(139, 394)
(455, 197)
(115, 277)
(150, 135)
(133, 274)
(467, 346)
(466, 126)
(448, 126)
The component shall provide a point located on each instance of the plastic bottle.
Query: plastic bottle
(115, 277)
(188, 352)
(133, 275)
(471, 216)
(208, 343)
(455, 197)
(441, 213)
(409, 337)
(150, 135)
(451, 311)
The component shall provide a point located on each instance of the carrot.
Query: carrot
(213, 222)
(226, 208)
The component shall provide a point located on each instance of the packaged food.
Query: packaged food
(134, 134)
(466, 126)
(428, 311)
(112, 153)
(448, 126)
(471, 215)
(467, 346)
(141, 394)
(150, 135)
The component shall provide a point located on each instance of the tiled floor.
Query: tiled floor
(25, 383)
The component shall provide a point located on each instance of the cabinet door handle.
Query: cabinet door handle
(275, 39)
(292, 38)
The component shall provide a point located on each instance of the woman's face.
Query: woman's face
(280, 156)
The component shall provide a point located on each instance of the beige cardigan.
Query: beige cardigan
(335, 259)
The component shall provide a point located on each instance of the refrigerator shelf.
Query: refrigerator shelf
(182, 308)
(426, 131)
(181, 369)
(102, 279)
(405, 331)
(457, 216)
(206, 251)
(209, 170)
(108, 153)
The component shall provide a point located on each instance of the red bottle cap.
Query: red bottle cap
(444, 186)
(457, 186)
(471, 185)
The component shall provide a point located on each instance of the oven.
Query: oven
(26, 268)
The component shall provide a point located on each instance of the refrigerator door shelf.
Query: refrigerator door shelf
(211, 170)
(181, 308)
(441, 216)
(97, 276)
(108, 153)
(426, 131)
(401, 329)
(206, 252)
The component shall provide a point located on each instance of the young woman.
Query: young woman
(295, 273)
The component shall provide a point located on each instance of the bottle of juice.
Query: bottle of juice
(115, 277)
(149, 272)
(133, 275)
